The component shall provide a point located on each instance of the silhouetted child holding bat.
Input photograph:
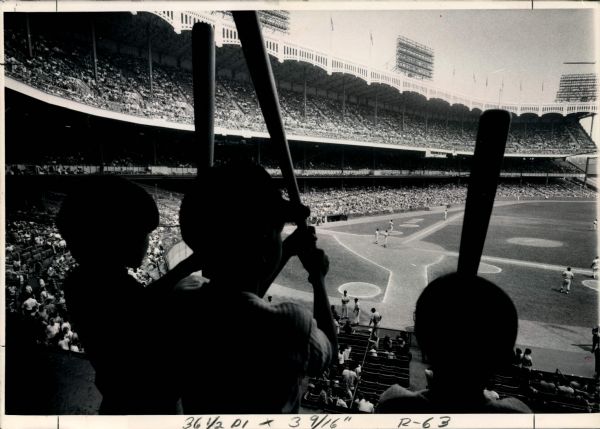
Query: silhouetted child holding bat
(106, 222)
(276, 345)
(487, 321)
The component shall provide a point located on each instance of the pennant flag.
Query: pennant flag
(331, 22)
(486, 81)
(542, 86)
(371, 36)
(474, 80)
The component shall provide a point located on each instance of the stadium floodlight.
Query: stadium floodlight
(483, 181)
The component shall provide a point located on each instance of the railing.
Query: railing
(284, 50)
(162, 170)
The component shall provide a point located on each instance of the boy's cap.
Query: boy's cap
(243, 193)
(106, 204)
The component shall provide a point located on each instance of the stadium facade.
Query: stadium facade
(382, 103)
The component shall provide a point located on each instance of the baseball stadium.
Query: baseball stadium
(382, 153)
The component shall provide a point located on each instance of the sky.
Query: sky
(524, 48)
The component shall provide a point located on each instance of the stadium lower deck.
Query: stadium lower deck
(529, 244)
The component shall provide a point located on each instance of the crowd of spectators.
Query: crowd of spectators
(362, 361)
(63, 67)
(36, 265)
(38, 261)
(377, 200)
(545, 391)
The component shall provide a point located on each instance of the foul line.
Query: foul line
(431, 229)
(590, 287)
(517, 262)
(426, 267)
(368, 260)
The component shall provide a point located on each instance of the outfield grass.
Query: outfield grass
(536, 295)
(569, 224)
(533, 289)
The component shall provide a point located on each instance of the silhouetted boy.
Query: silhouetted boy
(483, 317)
(106, 222)
(279, 343)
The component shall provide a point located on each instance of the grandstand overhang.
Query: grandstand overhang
(75, 106)
(280, 48)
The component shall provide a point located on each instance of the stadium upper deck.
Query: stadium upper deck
(324, 98)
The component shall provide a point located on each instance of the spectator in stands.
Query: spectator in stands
(526, 361)
(375, 320)
(402, 347)
(356, 312)
(363, 404)
(334, 313)
(106, 222)
(323, 392)
(75, 345)
(518, 357)
(564, 390)
(336, 325)
(350, 377)
(347, 329)
(284, 342)
(489, 324)
(373, 339)
(596, 351)
(345, 301)
(373, 351)
(545, 386)
(30, 306)
(52, 330)
(341, 357)
(490, 393)
(387, 344)
(347, 351)
(64, 342)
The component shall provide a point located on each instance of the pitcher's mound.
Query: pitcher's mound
(360, 289)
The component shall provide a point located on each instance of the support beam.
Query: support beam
(343, 97)
(149, 35)
(304, 110)
(28, 29)
(203, 63)
(375, 108)
(94, 54)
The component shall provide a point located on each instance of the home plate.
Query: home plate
(360, 289)
(592, 284)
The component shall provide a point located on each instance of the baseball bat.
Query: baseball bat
(259, 65)
(483, 181)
